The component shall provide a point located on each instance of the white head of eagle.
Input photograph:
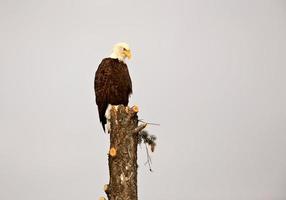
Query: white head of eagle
(121, 51)
(112, 83)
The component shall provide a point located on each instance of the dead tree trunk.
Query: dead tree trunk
(123, 153)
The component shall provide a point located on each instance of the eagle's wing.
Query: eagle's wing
(101, 85)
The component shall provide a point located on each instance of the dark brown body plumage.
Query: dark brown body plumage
(112, 85)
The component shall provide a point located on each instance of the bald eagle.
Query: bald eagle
(112, 83)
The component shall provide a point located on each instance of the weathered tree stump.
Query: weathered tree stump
(122, 157)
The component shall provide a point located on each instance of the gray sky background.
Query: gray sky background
(212, 73)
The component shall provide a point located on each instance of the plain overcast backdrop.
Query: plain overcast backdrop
(212, 73)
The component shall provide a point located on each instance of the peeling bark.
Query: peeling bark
(123, 153)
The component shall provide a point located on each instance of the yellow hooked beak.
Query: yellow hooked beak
(128, 54)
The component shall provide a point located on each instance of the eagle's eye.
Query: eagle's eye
(124, 49)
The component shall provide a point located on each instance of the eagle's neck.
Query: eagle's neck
(115, 56)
